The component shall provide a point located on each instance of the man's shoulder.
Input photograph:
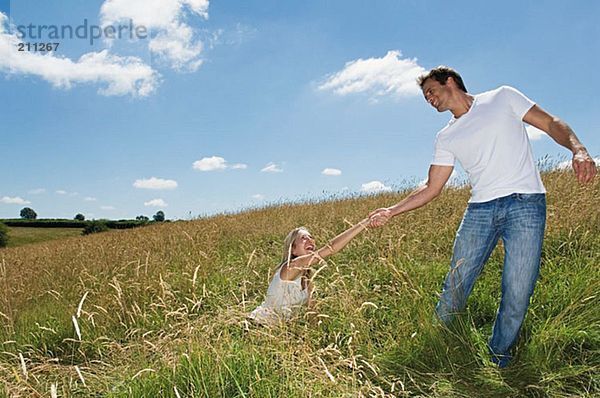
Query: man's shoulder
(499, 96)
(510, 98)
(496, 91)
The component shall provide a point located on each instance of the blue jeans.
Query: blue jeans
(519, 219)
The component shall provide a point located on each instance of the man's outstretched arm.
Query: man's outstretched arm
(437, 178)
(583, 164)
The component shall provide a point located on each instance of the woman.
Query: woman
(291, 286)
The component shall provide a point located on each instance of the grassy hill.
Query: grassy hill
(159, 311)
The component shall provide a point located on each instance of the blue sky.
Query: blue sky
(229, 105)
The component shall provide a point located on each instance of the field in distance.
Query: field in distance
(19, 236)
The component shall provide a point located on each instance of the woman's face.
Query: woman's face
(303, 244)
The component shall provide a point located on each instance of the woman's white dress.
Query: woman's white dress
(283, 298)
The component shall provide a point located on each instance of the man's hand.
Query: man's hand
(584, 166)
(379, 217)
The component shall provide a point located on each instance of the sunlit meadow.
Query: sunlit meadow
(160, 311)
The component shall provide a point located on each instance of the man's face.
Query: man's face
(436, 94)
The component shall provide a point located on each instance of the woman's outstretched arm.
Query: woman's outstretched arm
(301, 263)
(339, 242)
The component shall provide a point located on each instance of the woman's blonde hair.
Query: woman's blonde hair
(288, 243)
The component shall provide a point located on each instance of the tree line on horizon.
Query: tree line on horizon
(27, 213)
(29, 219)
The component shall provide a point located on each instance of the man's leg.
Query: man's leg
(475, 240)
(522, 235)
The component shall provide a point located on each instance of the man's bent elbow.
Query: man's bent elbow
(436, 193)
(433, 191)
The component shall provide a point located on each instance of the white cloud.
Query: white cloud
(564, 165)
(155, 183)
(271, 168)
(151, 13)
(14, 200)
(210, 164)
(534, 133)
(118, 75)
(63, 192)
(231, 37)
(156, 203)
(374, 187)
(177, 46)
(258, 196)
(37, 191)
(89, 199)
(390, 75)
(216, 163)
(107, 207)
(331, 172)
(172, 39)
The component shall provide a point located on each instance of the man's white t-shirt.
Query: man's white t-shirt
(491, 144)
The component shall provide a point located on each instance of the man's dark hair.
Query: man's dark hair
(441, 74)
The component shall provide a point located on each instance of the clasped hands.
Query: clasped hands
(379, 217)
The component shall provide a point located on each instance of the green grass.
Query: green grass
(19, 236)
(164, 307)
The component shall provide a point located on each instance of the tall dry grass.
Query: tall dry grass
(159, 311)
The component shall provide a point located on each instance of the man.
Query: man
(487, 136)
